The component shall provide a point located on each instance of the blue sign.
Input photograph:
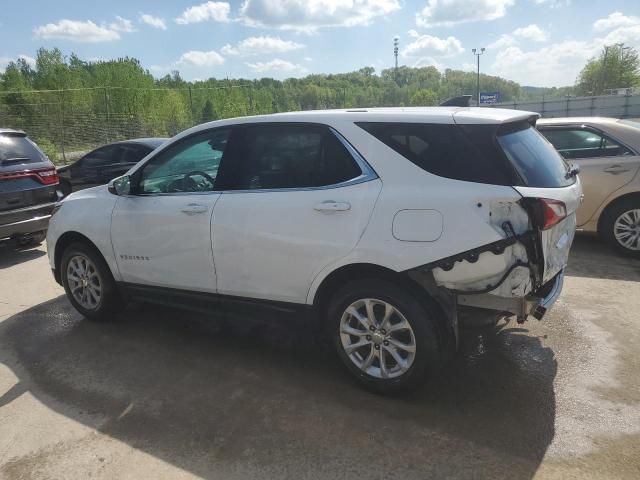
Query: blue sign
(488, 98)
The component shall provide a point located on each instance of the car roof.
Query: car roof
(442, 115)
(153, 142)
(11, 130)
(577, 121)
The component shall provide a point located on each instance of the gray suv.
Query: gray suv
(28, 188)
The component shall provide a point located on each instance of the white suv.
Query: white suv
(383, 224)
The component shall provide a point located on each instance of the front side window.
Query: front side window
(101, 156)
(190, 165)
(290, 156)
(583, 143)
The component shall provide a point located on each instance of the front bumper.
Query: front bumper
(25, 220)
(535, 303)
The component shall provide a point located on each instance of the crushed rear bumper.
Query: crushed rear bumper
(536, 303)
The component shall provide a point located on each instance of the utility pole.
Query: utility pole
(396, 42)
(477, 53)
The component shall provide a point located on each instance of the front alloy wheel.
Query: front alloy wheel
(377, 338)
(84, 282)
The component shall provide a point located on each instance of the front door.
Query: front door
(161, 233)
(296, 198)
(605, 165)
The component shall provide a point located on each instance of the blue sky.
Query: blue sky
(534, 42)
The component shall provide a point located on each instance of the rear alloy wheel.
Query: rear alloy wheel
(621, 227)
(385, 336)
(88, 283)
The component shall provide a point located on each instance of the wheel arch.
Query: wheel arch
(614, 203)
(63, 242)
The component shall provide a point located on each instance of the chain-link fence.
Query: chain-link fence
(68, 123)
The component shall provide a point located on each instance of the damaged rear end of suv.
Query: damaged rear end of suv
(483, 225)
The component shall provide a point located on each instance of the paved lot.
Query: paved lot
(163, 394)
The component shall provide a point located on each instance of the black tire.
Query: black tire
(32, 239)
(110, 301)
(428, 357)
(609, 219)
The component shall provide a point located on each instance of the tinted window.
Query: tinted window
(191, 165)
(102, 156)
(535, 159)
(583, 143)
(447, 150)
(133, 153)
(291, 156)
(18, 149)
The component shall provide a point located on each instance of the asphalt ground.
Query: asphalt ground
(161, 393)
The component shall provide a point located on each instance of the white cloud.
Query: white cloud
(413, 34)
(216, 11)
(77, 30)
(505, 40)
(261, 45)
(553, 3)
(308, 59)
(121, 25)
(452, 12)
(201, 59)
(309, 15)
(427, 45)
(615, 20)
(428, 62)
(531, 32)
(4, 61)
(276, 65)
(155, 22)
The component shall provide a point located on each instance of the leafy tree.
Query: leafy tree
(424, 98)
(617, 66)
(208, 113)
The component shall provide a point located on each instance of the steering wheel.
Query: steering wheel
(190, 185)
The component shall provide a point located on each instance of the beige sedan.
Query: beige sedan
(607, 150)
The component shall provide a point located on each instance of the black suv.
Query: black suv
(28, 188)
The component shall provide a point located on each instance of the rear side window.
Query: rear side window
(290, 156)
(583, 143)
(447, 150)
(535, 159)
(18, 150)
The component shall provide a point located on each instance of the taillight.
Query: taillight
(553, 212)
(47, 176)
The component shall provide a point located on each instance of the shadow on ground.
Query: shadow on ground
(591, 257)
(222, 399)
(11, 254)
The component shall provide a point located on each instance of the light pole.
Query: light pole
(396, 42)
(477, 54)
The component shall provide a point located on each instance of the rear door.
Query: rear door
(296, 197)
(605, 165)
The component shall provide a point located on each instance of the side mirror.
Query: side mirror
(120, 185)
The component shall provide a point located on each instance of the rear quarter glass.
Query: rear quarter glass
(534, 158)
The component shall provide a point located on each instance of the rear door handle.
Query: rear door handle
(616, 169)
(194, 209)
(332, 206)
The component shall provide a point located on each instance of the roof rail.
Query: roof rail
(461, 101)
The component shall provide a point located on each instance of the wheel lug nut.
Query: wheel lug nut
(372, 328)
(386, 343)
(369, 337)
(384, 332)
(377, 347)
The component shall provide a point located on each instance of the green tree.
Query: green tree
(424, 98)
(208, 113)
(617, 66)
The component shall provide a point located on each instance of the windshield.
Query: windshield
(535, 159)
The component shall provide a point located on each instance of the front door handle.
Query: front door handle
(194, 209)
(332, 206)
(616, 169)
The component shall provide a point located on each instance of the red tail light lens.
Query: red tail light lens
(554, 211)
(46, 176)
